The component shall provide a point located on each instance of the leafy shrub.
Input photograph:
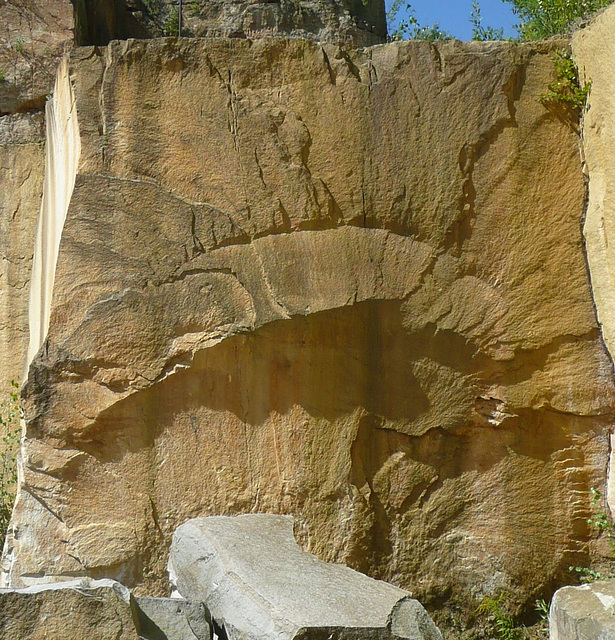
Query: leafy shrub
(10, 415)
(566, 89)
(409, 28)
(478, 31)
(171, 25)
(502, 623)
(601, 523)
(546, 18)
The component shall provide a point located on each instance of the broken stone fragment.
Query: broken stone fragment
(172, 619)
(259, 585)
(75, 610)
(583, 613)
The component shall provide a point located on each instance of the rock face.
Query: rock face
(351, 22)
(258, 584)
(21, 185)
(96, 610)
(33, 36)
(348, 286)
(583, 613)
(594, 53)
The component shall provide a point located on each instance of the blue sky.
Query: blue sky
(453, 15)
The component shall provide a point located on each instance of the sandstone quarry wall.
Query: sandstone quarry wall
(33, 37)
(344, 285)
(594, 53)
(21, 186)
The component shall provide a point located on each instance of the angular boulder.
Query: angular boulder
(258, 584)
(74, 610)
(583, 613)
(173, 619)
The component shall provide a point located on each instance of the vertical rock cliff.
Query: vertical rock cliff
(346, 285)
(594, 52)
(32, 40)
(62, 155)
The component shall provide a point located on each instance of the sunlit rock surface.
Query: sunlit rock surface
(22, 152)
(345, 286)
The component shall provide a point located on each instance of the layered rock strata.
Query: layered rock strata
(343, 285)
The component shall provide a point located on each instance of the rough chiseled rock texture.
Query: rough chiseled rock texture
(346, 286)
(33, 35)
(22, 152)
(594, 53)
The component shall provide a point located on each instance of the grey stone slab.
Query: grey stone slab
(73, 610)
(583, 613)
(173, 619)
(259, 585)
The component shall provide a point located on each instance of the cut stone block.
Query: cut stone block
(259, 585)
(173, 619)
(583, 613)
(76, 610)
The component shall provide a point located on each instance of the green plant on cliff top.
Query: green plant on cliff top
(566, 89)
(409, 28)
(478, 31)
(10, 415)
(546, 18)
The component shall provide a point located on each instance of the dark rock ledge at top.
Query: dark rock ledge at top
(351, 22)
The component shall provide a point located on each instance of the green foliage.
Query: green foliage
(601, 523)
(600, 520)
(20, 46)
(502, 623)
(10, 414)
(543, 609)
(478, 31)
(546, 18)
(171, 24)
(587, 575)
(566, 89)
(410, 29)
(3, 79)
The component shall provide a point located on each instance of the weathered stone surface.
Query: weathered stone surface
(33, 37)
(258, 584)
(594, 53)
(173, 619)
(350, 22)
(583, 613)
(21, 186)
(76, 610)
(347, 286)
